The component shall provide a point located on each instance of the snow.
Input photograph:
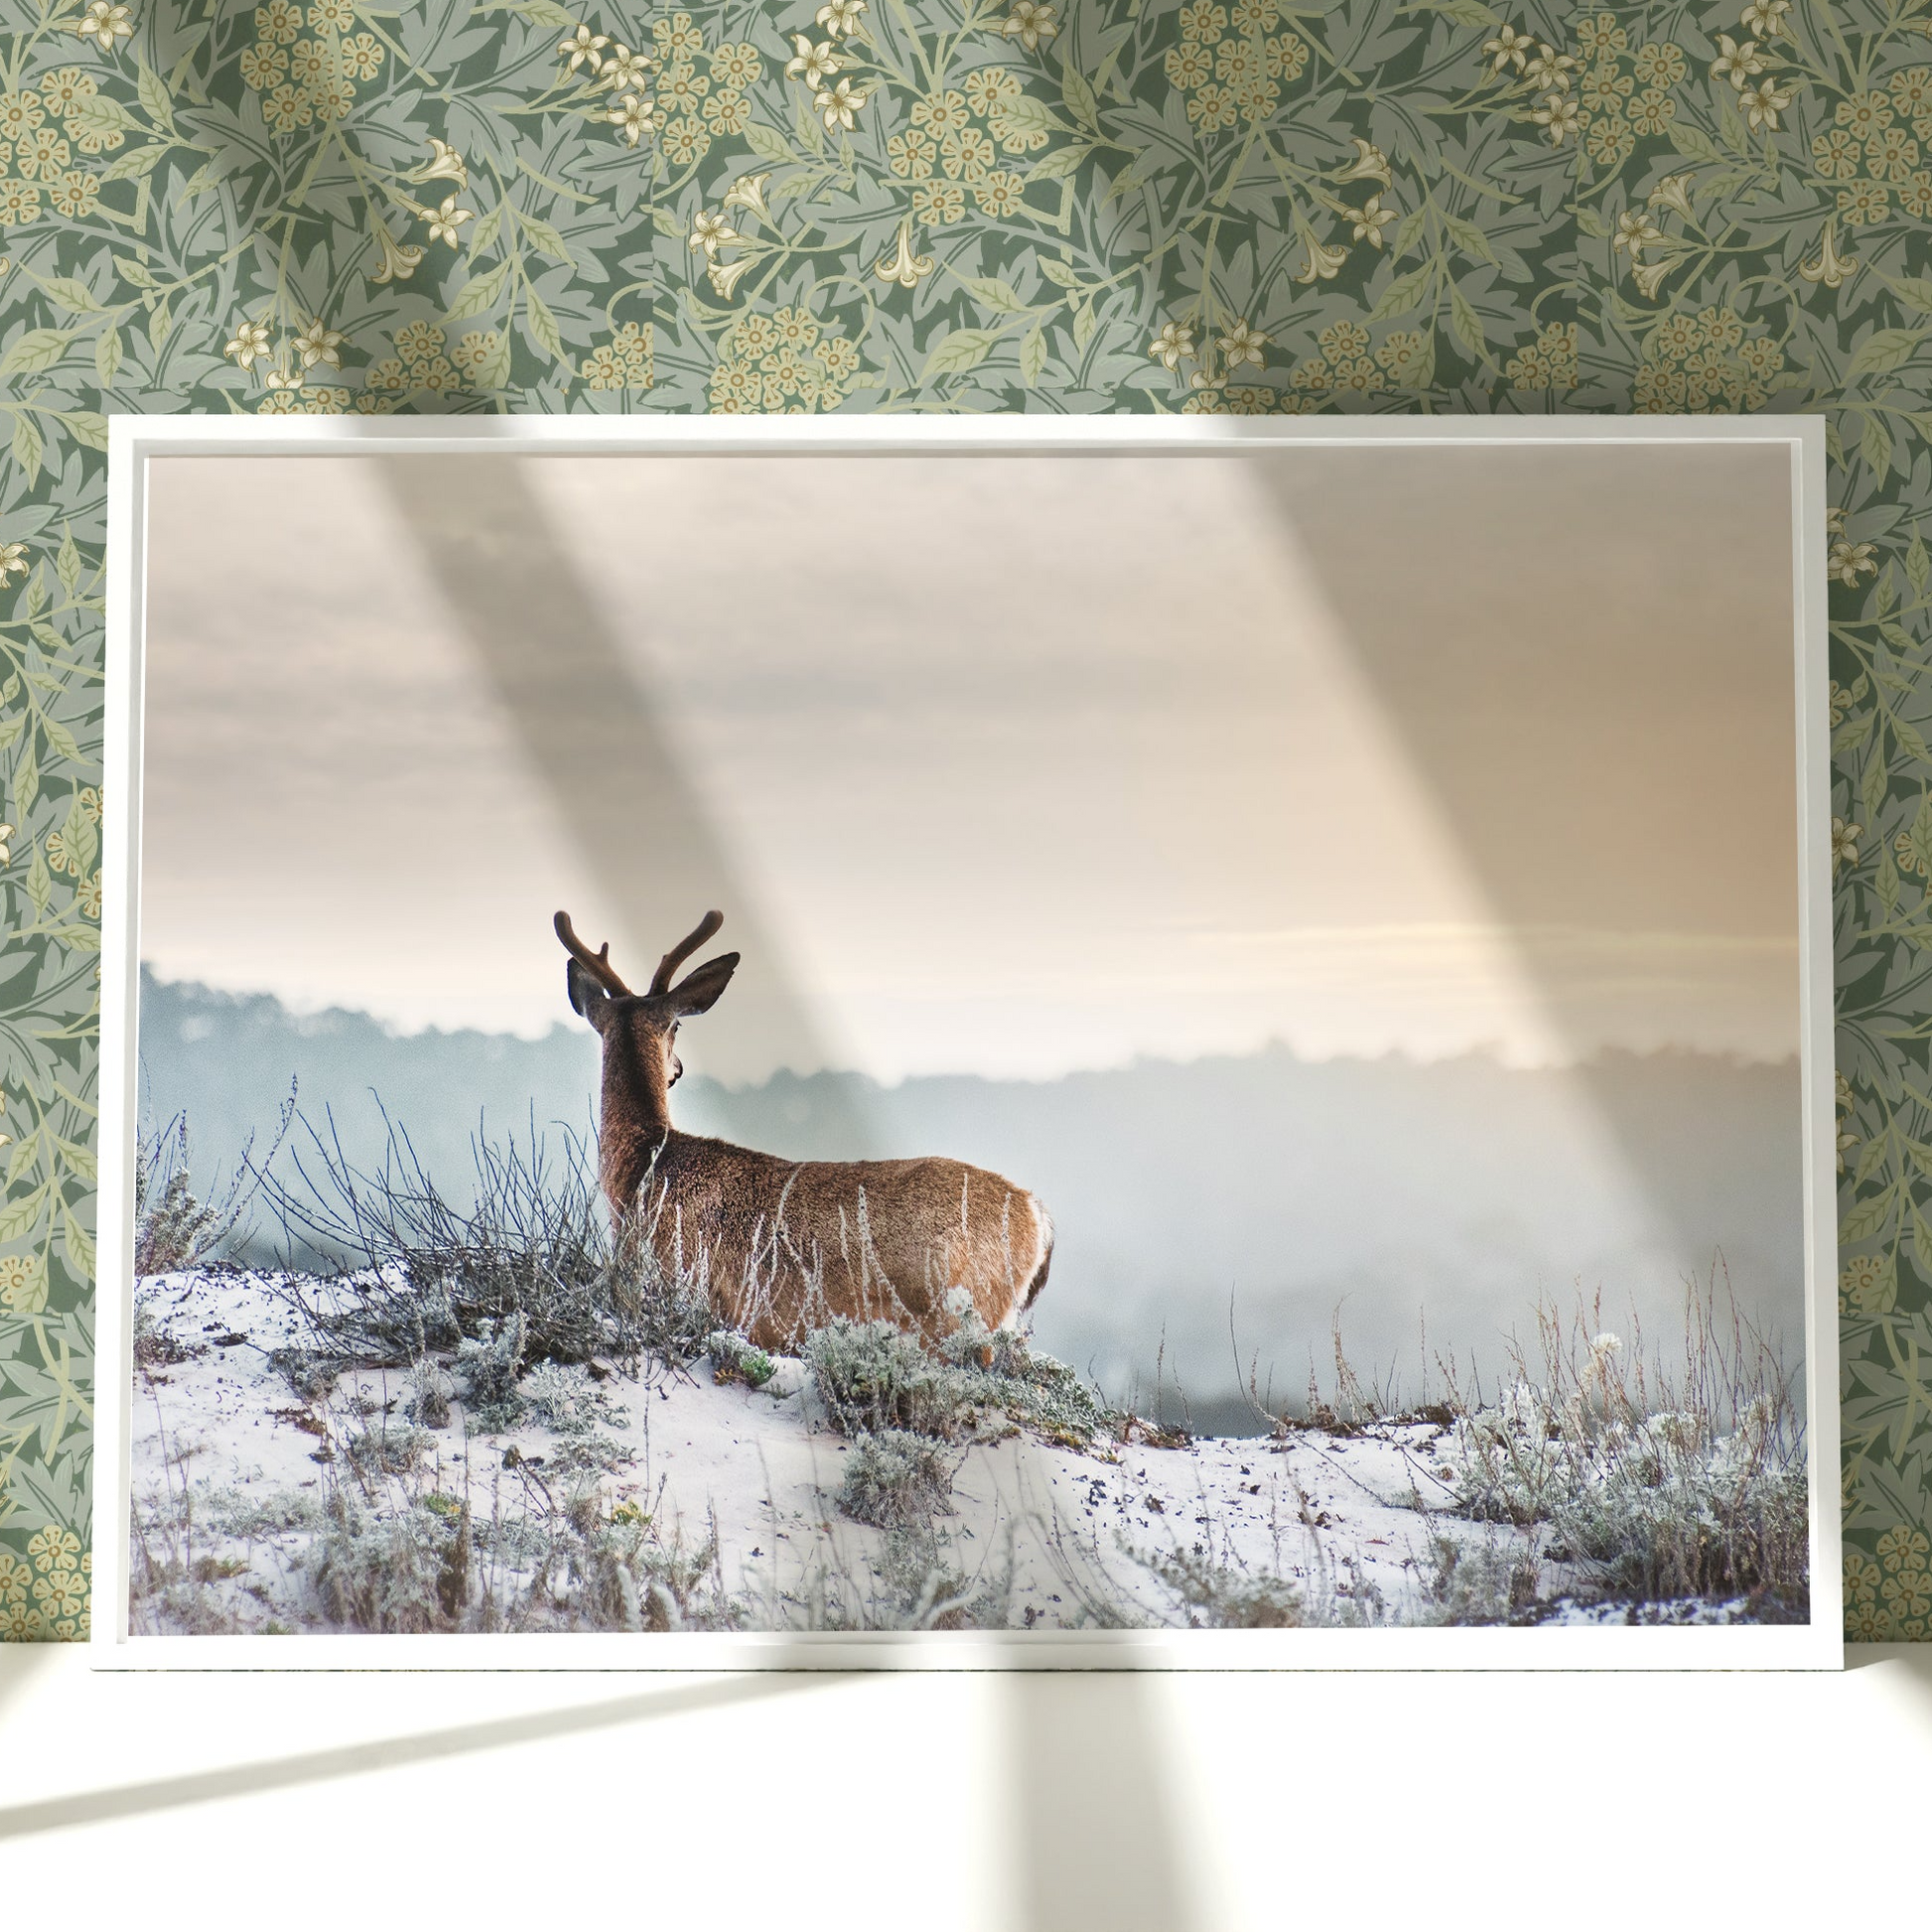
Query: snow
(1349, 1521)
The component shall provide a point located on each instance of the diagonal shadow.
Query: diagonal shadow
(1518, 812)
(1098, 1839)
(593, 738)
(389, 1753)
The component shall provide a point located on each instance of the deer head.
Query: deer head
(640, 1034)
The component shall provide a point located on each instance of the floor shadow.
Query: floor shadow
(585, 723)
(1098, 1841)
(391, 1753)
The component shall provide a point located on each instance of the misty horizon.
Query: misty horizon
(1461, 1189)
(312, 1022)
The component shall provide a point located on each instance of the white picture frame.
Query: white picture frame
(137, 441)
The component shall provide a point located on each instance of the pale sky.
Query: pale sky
(999, 765)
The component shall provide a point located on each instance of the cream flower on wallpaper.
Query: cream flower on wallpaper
(1634, 233)
(626, 72)
(1370, 164)
(748, 192)
(54, 1548)
(630, 116)
(1550, 69)
(840, 16)
(1737, 64)
(1763, 104)
(1649, 277)
(1242, 344)
(839, 106)
(813, 64)
(583, 46)
(20, 1623)
(1674, 190)
(13, 559)
(1849, 561)
(444, 163)
(22, 1284)
(250, 342)
(1557, 117)
(1370, 220)
(1828, 269)
(104, 24)
(318, 343)
(1508, 49)
(1029, 21)
(1844, 842)
(724, 277)
(1862, 1283)
(1175, 340)
(446, 219)
(711, 232)
(61, 1592)
(1324, 263)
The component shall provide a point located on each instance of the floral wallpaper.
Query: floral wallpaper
(1244, 206)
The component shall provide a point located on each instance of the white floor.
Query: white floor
(1036, 1803)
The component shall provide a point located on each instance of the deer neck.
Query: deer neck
(636, 1116)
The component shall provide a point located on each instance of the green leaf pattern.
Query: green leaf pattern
(1064, 206)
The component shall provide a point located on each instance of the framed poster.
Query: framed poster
(1040, 1043)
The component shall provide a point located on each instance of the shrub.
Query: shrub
(735, 1359)
(387, 1572)
(173, 1228)
(387, 1451)
(873, 1376)
(490, 1363)
(565, 1401)
(310, 1372)
(895, 1479)
(428, 1401)
(1215, 1596)
(1482, 1582)
(1655, 1485)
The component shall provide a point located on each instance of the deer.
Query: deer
(787, 1246)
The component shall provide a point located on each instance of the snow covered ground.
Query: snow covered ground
(235, 1473)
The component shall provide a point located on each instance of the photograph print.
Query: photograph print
(1198, 1035)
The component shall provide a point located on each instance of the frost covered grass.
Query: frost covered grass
(874, 1376)
(174, 1228)
(421, 1560)
(895, 1479)
(531, 1259)
(1656, 1481)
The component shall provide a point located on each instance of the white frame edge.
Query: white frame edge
(133, 440)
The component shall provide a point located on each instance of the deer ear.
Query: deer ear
(586, 998)
(697, 992)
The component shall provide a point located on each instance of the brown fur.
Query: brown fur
(789, 1244)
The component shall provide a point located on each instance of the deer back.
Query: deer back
(783, 1246)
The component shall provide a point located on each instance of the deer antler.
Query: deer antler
(661, 980)
(596, 964)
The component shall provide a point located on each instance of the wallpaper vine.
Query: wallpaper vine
(950, 204)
